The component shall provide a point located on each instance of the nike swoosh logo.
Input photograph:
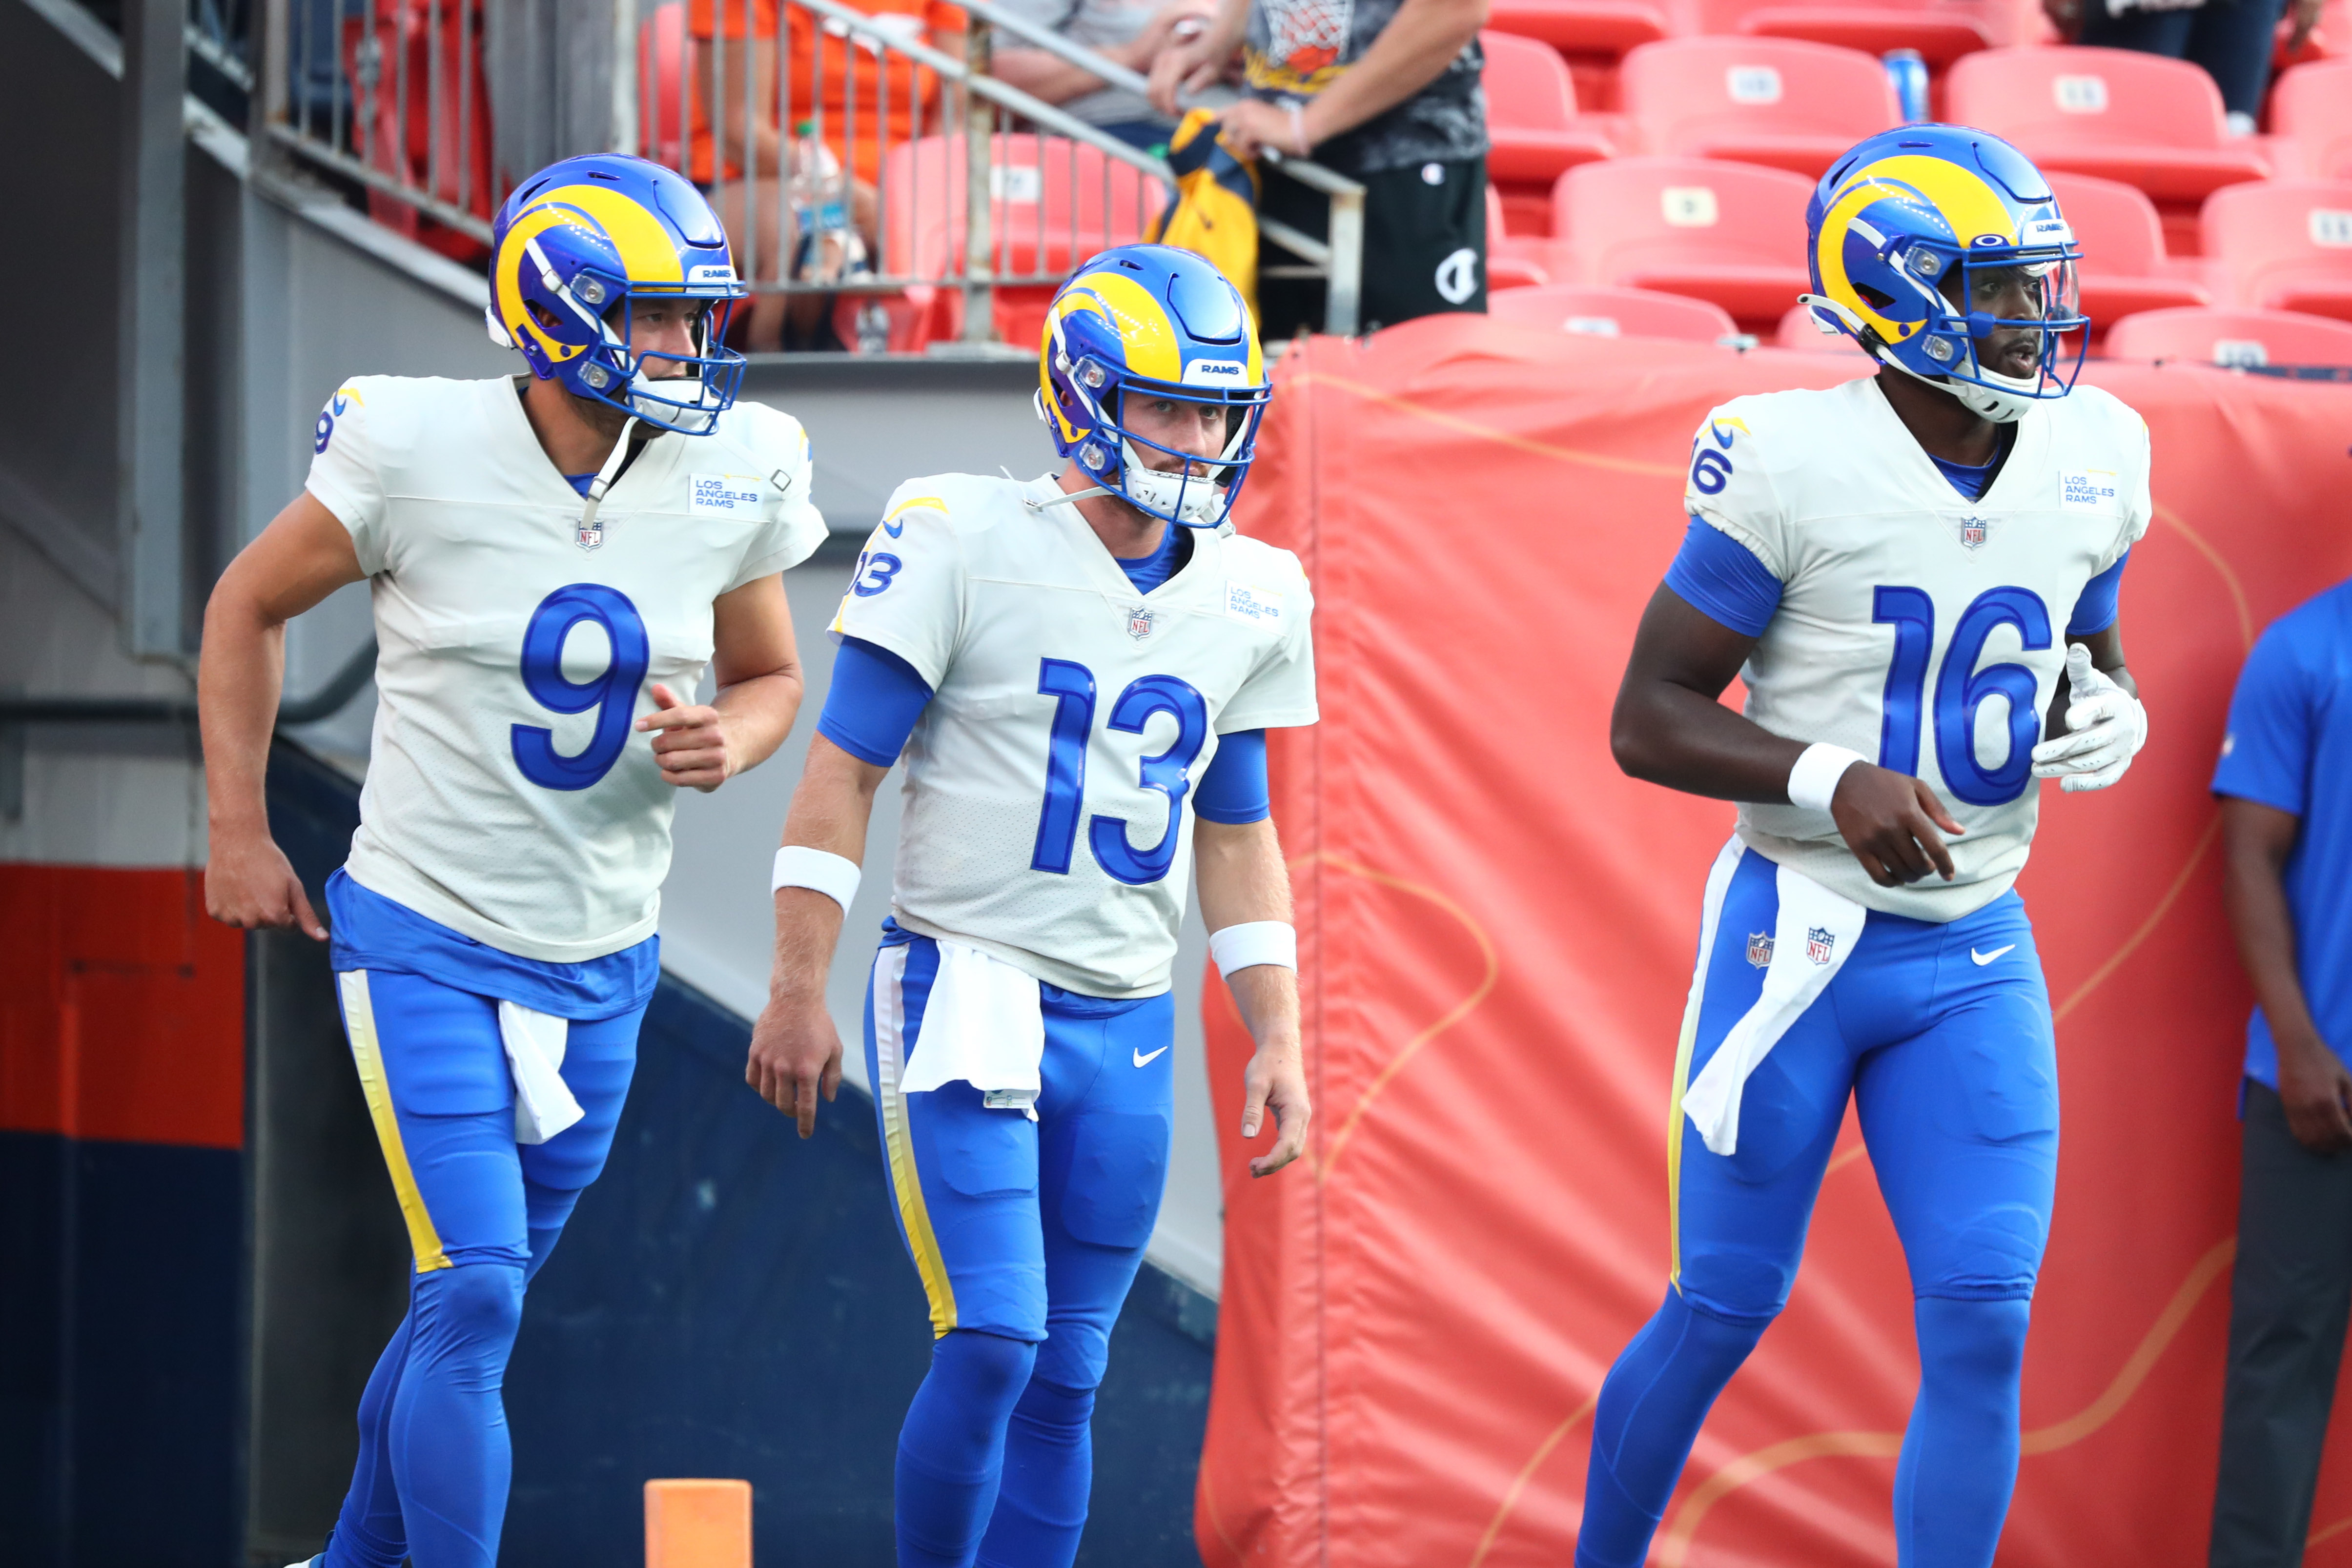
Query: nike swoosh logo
(1143, 1061)
(1984, 958)
(894, 529)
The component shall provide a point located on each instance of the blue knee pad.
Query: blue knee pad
(951, 1448)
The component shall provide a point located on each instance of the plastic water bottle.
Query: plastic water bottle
(1908, 73)
(829, 247)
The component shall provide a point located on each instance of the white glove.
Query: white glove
(2106, 727)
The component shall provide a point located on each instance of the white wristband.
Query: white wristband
(797, 865)
(1815, 777)
(1257, 942)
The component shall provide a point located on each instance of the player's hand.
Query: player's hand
(1890, 821)
(2106, 726)
(250, 884)
(795, 1057)
(2315, 1091)
(1275, 1081)
(689, 741)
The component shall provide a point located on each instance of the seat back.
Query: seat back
(1052, 203)
(1528, 85)
(662, 127)
(1628, 214)
(2116, 226)
(1685, 94)
(2058, 95)
(2311, 107)
(2271, 235)
(2232, 338)
(1613, 312)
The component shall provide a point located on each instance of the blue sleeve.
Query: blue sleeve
(872, 704)
(2096, 610)
(1234, 789)
(1721, 578)
(2266, 750)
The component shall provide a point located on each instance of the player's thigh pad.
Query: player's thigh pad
(1962, 1118)
(963, 1177)
(434, 1072)
(1740, 1220)
(1107, 1118)
(600, 1057)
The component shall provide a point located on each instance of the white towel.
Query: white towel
(534, 1043)
(1811, 940)
(983, 1024)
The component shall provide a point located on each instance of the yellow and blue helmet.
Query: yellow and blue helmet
(1913, 228)
(1165, 322)
(574, 245)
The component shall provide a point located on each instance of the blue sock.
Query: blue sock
(1648, 1415)
(1958, 1466)
(951, 1448)
(1049, 1469)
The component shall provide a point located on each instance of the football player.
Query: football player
(554, 561)
(1078, 673)
(1907, 570)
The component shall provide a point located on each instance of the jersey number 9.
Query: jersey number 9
(613, 694)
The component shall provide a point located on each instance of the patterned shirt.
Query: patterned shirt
(1298, 47)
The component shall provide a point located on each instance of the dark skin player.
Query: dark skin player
(1669, 727)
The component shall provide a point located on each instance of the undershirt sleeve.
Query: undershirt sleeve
(2096, 609)
(1234, 789)
(1721, 578)
(872, 704)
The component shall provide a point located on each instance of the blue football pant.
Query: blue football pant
(1026, 1236)
(1943, 1036)
(483, 1212)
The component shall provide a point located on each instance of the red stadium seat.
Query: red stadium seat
(2232, 338)
(1056, 203)
(1799, 330)
(2125, 269)
(2311, 109)
(2284, 245)
(2144, 120)
(1515, 261)
(1614, 313)
(662, 111)
(1730, 233)
(1581, 26)
(1941, 30)
(1532, 133)
(1780, 102)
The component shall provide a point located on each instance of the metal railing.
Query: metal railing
(959, 193)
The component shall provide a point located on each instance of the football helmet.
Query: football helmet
(1164, 322)
(1913, 236)
(574, 245)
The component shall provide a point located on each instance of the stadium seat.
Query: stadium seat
(2144, 120)
(1581, 26)
(1941, 30)
(1732, 234)
(1515, 261)
(2125, 269)
(1532, 133)
(1799, 330)
(1780, 102)
(661, 85)
(2311, 111)
(1055, 203)
(2235, 337)
(2284, 245)
(1614, 313)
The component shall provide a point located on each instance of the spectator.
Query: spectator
(2231, 38)
(1383, 91)
(2286, 822)
(864, 101)
(1129, 33)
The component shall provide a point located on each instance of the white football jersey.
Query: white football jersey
(1045, 815)
(507, 796)
(1923, 630)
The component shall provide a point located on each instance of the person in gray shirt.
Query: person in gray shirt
(1130, 32)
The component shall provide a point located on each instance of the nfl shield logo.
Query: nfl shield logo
(1139, 623)
(1972, 532)
(1760, 948)
(588, 538)
(1819, 942)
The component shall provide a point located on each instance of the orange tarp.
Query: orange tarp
(1496, 931)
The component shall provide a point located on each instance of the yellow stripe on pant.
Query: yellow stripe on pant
(906, 1183)
(359, 1023)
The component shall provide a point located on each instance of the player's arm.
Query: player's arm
(2314, 1089)
(1668, 727)
(303, 555)
(1242, 881)
(757, 666)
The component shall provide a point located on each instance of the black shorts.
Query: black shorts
(1425, 246)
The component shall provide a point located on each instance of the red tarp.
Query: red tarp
(1496, 931)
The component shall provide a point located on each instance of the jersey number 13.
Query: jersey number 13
(1072, 687)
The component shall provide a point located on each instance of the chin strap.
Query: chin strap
(1985, 402)
(605, 475)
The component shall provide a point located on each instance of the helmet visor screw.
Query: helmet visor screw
(1093, 377)
(592, 291)
(1939, 349)
(596, 376)
(1924, 263)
